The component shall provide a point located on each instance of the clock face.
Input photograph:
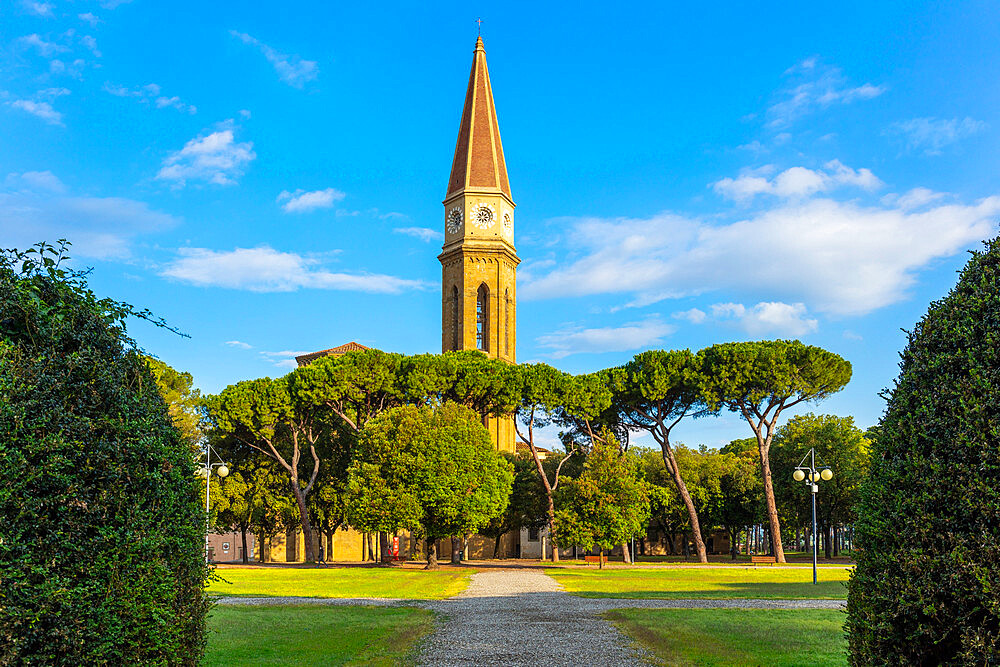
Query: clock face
(508, 223)
(482, 216)
(454, 222)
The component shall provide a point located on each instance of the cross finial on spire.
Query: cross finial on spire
(479, 27)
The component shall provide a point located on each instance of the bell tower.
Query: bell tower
(478, 260)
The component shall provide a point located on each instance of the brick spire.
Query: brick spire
(479, 163)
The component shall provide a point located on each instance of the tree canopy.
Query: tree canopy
(759, 380)
(607, 504)
(654, 392)
(432, 470)
(183, 400)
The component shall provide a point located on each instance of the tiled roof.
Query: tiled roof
(478, 161)
(306, 359)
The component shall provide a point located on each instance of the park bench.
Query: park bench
(595, 559)
(757, 560)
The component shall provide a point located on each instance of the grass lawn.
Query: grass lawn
(341, 582)
(312, 635)
(672, 583)
(772, 637)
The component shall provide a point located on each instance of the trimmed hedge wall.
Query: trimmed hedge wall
(101, 540)
(926, 590)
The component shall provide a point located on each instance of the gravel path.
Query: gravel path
(522, 617)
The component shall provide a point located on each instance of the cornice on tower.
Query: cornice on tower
(478, 163)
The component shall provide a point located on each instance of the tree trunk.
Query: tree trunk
(671, 463)
(600, 560)
(552, 530)
(836, 541)
(456, 551)
(496, 546)
(828, 542)
(432, 556)
(300, 500)
(383, 540)
(685, 545)
(243, 533)
(772, 511)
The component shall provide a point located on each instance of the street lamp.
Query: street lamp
(811, 475)
(206, 472)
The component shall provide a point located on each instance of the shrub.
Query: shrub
(925, 591)
(101, 541)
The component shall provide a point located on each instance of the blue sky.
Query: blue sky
(270, 180)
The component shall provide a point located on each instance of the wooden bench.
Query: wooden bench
(595, 559)
(757, 560)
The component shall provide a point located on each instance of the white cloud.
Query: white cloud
(931, 135)
(215, 158)
(283, 359)
(815, 86)
(265, 269)
(240, 344)
(837, 257)
(301, 201)
(41, 110)
(34, 181)
(36, 206)
(425, 234)
(43, 9)
(73, 69)
(91, 43)
(694, 316)
(89, 18)
(796, 182)
(768, 318)
(150, 94)
(915, 198)
(575, 340)
(293, 70)
(44, 48)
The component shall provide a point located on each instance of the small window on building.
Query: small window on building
(483, 319)
(533, 534)
(455, 305)
(506, 323)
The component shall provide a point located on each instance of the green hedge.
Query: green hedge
(926, 590)
(101, 538)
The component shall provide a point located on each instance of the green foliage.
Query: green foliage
(183, 400)
(101, 547)
(839, 444)
(528, 504)
(253, 498)
(759, 380)
(927, 584)
(607, 504)
(755, 377)
(433, 470)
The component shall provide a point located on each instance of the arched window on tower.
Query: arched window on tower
(483, 319)
(454, 318)
(506, 323)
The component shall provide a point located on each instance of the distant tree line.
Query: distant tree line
(323, 448)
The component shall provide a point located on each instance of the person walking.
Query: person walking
(321, 560)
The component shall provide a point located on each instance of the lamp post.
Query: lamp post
(811, 475)
(206, 472)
